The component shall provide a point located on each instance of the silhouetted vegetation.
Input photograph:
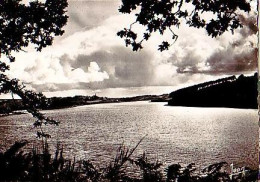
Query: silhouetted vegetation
(40, 165)
(38, 23)
(231, 92)
(21, 25)
(160, 16)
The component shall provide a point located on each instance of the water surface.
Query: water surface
(173, 134)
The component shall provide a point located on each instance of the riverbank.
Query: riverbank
(15, 106)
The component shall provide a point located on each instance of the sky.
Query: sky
(91, 59)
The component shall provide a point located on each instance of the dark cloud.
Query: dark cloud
(250, 24)
(224, 61)
(189, 62)
(237, 56)
(124, 67)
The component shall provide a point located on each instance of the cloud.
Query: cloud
(226, 54)
(85, 15)
(233, 59)
(240, 54)
(50, 71)
(121, 68)
(91, 56)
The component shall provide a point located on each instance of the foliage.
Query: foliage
(35, 166)
(162, 15)
(115, 170)
(150, 170)
(37, 23)
(39, 165)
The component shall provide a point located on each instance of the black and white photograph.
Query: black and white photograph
(129, 90)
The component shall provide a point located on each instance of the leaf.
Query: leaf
(164, 46)
(136, 46)
(146, 36)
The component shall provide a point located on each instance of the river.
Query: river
(172, 134)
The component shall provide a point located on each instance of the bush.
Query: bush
(39, 165)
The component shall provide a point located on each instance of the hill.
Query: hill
(10, 106)
(231, 92)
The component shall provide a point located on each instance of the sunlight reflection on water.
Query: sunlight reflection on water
(174, 134)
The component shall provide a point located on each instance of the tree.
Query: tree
(162, 15)
(37, 23)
